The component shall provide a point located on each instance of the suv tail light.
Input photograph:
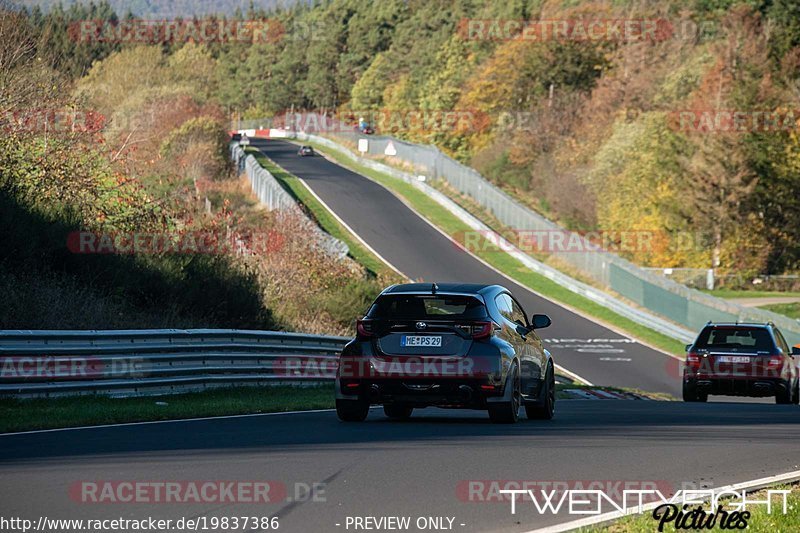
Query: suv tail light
(775, 361)
(477, 330)
(364, 328)
(692, 360)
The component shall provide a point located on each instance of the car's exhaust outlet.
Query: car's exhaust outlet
(465, 393)
(374, 393)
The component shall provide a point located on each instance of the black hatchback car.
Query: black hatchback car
(449, 345)
(738, 359)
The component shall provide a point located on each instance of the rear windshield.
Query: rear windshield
(735, 339)
(432, 307)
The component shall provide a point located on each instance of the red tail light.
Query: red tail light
(692, 360)
(364, 328)
(480, 330)
(775, 361)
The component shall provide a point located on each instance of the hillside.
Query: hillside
(588, 131)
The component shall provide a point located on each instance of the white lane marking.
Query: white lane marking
(608, 325)
(590, 341)
(347, 227)
(604, 518)
(600, 350)
(148, 422)
(560, 369)
(337, 217)
(615, 359)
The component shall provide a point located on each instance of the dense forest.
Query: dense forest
(129, 144)
(591, 132)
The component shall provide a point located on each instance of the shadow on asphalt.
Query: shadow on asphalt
(577, 422)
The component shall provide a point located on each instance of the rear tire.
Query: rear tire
(796, 398)
(691, 394)
(508, 412)
(544, 409)
(785, 396)
(352, 410)
(398, 412)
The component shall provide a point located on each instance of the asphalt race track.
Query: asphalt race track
(415, 468)
(439, 464)
(419, 251)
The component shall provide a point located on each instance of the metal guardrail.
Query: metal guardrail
(631, 312)
(270, 193)
(155, 362)
(659, 297)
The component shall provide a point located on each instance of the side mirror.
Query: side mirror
(688, 347)
(795, 350)
(540, 321)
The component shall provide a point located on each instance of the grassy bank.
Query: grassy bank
(47, 413)
(792, 310)
(451, 225)
(321, 215)
(759, 522)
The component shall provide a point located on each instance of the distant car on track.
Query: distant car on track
(244, 140)
(305, 151)
(452, 345)
(738, 359)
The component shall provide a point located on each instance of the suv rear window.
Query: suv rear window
(735, 339)
(432, 307)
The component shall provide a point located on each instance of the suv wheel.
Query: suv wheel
(352, 410)
(691, 394)
(398, 411)
(785, 394)
(508, 412)
(545, 408)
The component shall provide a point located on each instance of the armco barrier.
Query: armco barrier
(154, 362)
(274, 196)
(660, 296)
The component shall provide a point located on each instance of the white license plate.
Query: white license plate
(732, 359)
(421, 340)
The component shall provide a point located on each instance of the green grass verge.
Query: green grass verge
(321, 215)
(500, 260)
(790, 310)
(50, 413)
(759, 522)
(47, 413)
(736, 293)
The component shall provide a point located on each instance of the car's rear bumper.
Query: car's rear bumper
(751, 386)
(422, 393)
